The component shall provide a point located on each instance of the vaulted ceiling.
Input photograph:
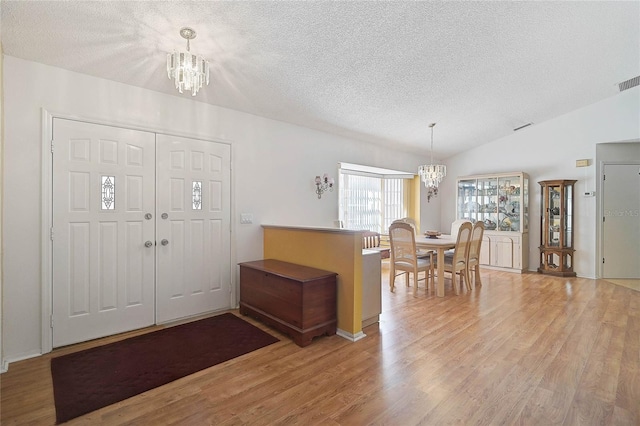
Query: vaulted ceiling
(376, 71)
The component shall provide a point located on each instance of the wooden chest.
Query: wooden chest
(297, 300)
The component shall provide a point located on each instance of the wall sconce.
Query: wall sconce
(323, 184)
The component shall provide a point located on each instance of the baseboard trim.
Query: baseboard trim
(349, 336)
(5, 362)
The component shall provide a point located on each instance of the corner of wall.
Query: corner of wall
(3, 366)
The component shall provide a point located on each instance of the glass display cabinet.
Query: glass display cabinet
(501, 201)
(556, 228)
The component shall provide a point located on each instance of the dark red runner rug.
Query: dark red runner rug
(91, 379)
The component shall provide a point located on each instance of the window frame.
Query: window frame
(385, 176)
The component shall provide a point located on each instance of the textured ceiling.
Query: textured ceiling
(376, 71)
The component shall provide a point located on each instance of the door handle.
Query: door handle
(164, 242)
(148, 244)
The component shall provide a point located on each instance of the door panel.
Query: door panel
(103, 275)
(621, 225)
(504, 252)
(194, 273)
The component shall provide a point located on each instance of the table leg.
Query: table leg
(440, 282)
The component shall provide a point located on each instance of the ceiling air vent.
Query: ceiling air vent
(522, 127)
(632, 82)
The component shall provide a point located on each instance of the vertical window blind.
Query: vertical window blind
(371, 202)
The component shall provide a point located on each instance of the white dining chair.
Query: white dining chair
(456, 262)
(473, 257)
(404, 257)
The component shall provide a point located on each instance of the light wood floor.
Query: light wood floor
(633, 284)
(522, 349)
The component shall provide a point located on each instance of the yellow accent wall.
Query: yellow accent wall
(335, 250)
(414, 200)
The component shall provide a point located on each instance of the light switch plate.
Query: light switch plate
(246, 218)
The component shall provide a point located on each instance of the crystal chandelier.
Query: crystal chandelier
(432, 174)
(188, 71)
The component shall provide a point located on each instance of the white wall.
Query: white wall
(548, 151)
(274, 166)
(2, 364)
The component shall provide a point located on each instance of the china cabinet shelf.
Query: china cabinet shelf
(556, 228)
(501, 201)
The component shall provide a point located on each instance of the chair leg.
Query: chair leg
(467, 278)
(433, 278)
(454, 284)
(477, 281)
(392, 277)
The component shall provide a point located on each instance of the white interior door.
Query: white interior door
(103, 275)
(621, 222)
(193, 227)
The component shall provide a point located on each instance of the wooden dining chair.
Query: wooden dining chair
(473, 257)
(371, 241)
(410, 221)
(421, 253)
(455, 225)
(456, 262)
(404, 257)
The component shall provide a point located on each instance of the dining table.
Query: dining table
(440, 244)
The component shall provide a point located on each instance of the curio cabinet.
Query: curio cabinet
(556, 228)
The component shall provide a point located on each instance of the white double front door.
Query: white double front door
(141, 229)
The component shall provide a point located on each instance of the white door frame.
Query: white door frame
(47, 210)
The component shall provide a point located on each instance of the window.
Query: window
(372, 198)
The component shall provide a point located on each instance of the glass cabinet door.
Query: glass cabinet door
(525, 206)
(509, 203)
(466, 201)
(567, 220)
(487, 202)
(554, 209)
(500, 201)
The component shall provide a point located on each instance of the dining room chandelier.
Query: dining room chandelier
(188, 71)
(432, 174)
